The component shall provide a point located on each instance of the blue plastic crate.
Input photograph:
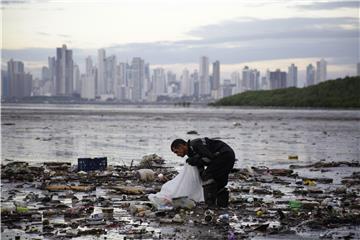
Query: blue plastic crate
(92, 164)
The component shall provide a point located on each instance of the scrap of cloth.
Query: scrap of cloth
(186, 184)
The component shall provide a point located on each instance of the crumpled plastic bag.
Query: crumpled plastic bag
(186, 184)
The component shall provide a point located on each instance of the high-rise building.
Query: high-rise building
(100, 84)
(52, 72)
(121, 85)
(358, 69)
(310, 75)
(321, 71)
(76, 79)
(5, 84)
(250, 79)
(194, 78)
(215, 85)
(137, 77)
(159, 81)
(110, 74)
(146, 88)
(292, 76)
(227, 88)
(235, 79)
(185, 83)
(20, 84)
(88, 83)
(64, 71)
(88, 80)
(277, 79)
(204, 83)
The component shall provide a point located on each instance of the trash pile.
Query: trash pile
(59, 200)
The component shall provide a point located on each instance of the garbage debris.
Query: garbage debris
(293, 157)
(146, 175)
(92, 164)
(152, 160)
(55, 200)
(193, 132)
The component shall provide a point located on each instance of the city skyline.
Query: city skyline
(172, 35)
(139, 82)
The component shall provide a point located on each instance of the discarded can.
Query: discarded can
(208, 215)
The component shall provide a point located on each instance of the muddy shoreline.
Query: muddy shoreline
(55, 200)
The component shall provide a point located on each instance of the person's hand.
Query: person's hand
(191, 161)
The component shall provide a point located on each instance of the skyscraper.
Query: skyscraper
(121, 85)
(76, 80)
(64, 71)
(159, 81)
(246, 78)
(250, 79)
(137, 78)
(185, 83)
(52, 71)
(310, 75)
(204, 84)
(292, 76)
(110, 74)
(20, 83)
(235, 79)
(100, 84)
(5, 84)
(216, 76)
(277, 79)
(194, 78)
(321, 71)
(88, 80)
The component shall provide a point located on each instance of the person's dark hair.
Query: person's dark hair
(176, 143)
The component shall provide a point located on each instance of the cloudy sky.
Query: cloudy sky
(175, 33)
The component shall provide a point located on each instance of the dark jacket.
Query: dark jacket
(203, 151)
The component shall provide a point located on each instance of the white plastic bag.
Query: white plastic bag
(186, 184)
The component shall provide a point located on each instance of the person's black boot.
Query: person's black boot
(222, 198)
(210, 194)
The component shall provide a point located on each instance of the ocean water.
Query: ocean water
(259, 136)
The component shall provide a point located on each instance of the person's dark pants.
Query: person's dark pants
(215, 178)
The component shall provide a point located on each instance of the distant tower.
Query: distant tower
(100, 85)
(88, 80)
(159, 81)
(235, 79)
(19, 83)
(52, 70)
(321, 71)
(310, 75)
(292, 76)
(216, 76)
(185, 83)
(250, 79)
(76, 79)
(137, 78)
(204, 83)
(277, 79)
(110, 74)
(64, 71)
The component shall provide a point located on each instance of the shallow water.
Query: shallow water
(43, 132)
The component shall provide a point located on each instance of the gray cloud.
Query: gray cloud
(303, 28)
(237, 41)
(330, 5)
